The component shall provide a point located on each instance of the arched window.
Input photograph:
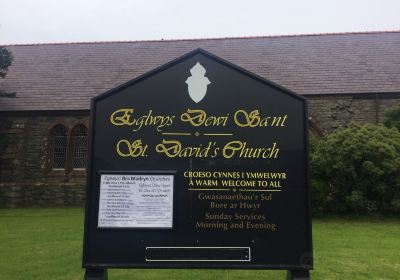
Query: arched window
(79, 145)
(59, 147)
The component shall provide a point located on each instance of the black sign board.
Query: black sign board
(198, 164)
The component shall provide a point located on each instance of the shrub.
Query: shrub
(392, 118)
(319, 191)
(357, 170)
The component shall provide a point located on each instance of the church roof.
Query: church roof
(66, 76)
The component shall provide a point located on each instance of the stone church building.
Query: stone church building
(350, 77)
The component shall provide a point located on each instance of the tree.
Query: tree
(6, 59)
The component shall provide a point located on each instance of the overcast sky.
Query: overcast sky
(43, 21)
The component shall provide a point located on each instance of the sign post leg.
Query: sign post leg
(96, 274)
(298, 275)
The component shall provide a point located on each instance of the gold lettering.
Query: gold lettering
(199, 117)
(121, 117)
(253, 119)
(125, 117)
(134, 149)
(230, 149)
(173, 148)
(196, 120)
(169, 147)
(243, 151)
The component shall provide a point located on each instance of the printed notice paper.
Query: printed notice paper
(136, 201)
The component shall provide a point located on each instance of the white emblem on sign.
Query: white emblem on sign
(197, 83)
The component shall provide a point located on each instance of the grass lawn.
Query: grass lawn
(46, 244)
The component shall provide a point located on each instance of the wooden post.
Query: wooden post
(96, 274)
(298, 275)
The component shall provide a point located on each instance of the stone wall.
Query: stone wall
(330, 112)
(25, 176)
(27, 180)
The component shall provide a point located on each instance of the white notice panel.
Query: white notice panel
(136, 201)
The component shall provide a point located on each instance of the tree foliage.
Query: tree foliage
(357, 170)
(6, 59)
(392, 118)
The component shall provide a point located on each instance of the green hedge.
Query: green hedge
(356, 170)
